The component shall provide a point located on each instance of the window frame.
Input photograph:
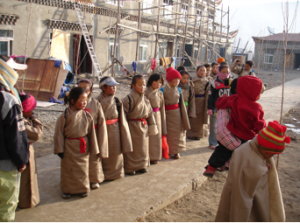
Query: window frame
(9, 38)
(147, 5)
(143, 45)
(184, 11)
(115, 2)
(168, 5)
(269, 56)
(111, 49)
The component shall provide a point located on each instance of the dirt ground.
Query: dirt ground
(202, 204)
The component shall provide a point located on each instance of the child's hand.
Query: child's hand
(209, 112)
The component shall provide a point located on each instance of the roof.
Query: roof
(292, 37)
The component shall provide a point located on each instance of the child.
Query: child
(29, 191)
(176, 115)
(242, 70)
(74, 140)
(214, 70)
(252, 192)
(188, 93)
(94, 107)
(201, 94)
(217, 89)
(181, 68)
(246, 118)
(137, 109)
(119, 139)
(226, 140)
(208, 71)
(157, 102)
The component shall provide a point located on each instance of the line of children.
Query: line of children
(93, 106)
(29, 191)
(201, 84)
(176, 115)
(156, 98)
(119, 139)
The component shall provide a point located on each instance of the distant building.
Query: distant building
(269, 51)
(54, 31)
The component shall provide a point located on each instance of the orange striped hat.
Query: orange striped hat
(272, 139)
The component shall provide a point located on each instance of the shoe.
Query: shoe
(154, 162)
(212, 147)
(142, 171)
(66, 196)
(209, 172)
(194, 138)
(176, 156)
(84, 195)
(131, 173)
(95, 186)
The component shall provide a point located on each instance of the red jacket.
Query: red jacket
(246, 118)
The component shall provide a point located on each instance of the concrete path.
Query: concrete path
(130, 198)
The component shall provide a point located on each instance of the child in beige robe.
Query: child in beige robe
(176, 115)
(94, 107)
(252, 191)
(119, 139)
(137, 109)
(201, 84)
(74, 141)
(29, 191)
(157, 102)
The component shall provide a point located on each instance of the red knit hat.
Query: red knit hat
(272, 139)
(220, 60)
(29, 104)
(172, 74)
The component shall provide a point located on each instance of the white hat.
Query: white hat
(16, 66)
(108, 81)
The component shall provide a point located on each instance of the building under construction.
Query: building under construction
(129, 31)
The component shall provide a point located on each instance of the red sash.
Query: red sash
(112, 121)
(82, 143)
(172, 107)
(142, 120)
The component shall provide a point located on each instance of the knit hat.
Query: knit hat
(249, 62)
(272, 139)
(85, 81)
(29, 104)
(172, 74)
(220, 60)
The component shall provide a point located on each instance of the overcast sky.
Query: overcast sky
(252, 18)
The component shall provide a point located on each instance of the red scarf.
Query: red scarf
(246, 118)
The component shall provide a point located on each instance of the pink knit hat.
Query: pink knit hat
(29, 104)
(172, 74)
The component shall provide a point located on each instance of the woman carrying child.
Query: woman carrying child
(157, 102)
(29, 191)
(137, 109)
(74, 141)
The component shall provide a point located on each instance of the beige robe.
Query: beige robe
(29, 190)
(138, 107)
(252, 191)
(201, 87)
(235, 68)
(75, 165)
(156, 99)
(177, 120)
(95, 167)
(119, 139)
(189, 99)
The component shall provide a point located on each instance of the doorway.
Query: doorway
(297, 61)
(82, 62)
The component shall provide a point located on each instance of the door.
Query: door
(188, 50)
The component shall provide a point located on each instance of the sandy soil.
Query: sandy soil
(202, 203)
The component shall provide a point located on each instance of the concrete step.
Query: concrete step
(131, 198)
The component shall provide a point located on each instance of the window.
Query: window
(196, 52)
(162, 50)
(184, 11)
(208, 55)
(168, 5)
(198, 16)
(146, 6)
(115, 2)
(268, 58)
(6, 42)
(143, 50)
(178, 51)
(111, 49)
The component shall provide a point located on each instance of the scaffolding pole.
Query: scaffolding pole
(157, 30)
(116, 36)
(138, 34)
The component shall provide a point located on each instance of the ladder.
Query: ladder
(87, 39)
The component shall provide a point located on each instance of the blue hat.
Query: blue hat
(108, 81)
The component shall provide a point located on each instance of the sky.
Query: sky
(252, 18)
